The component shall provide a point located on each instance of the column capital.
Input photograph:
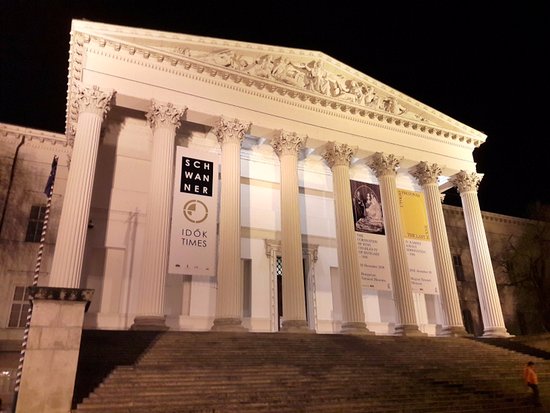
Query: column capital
(383, 164)
(288, 142)
(426, 173)
(230, 130)
(466, 182)
(164, 115)
(92, 99)
(338, 154)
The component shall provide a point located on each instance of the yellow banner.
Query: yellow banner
(413, 215)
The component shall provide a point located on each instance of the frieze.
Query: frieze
(311, 76)
(307, 81)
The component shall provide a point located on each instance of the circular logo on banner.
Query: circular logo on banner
(195, 211)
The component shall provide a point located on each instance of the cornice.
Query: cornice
(200, 63)
(491, 216)
(33, 137)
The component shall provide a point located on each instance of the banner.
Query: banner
(417, 241)
(194, 213)
(374, 263)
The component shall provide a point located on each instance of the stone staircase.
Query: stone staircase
(216, 372)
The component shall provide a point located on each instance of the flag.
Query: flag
(51, 178)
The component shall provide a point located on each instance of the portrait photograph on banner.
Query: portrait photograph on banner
(372, 247)
(194, 213)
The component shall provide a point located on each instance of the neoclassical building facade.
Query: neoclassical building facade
(290, 133)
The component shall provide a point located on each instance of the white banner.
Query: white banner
(194, 213)
(374, 262)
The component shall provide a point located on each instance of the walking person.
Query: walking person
(532, 381)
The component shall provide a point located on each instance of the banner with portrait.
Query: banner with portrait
(194, 213)
(374, 263)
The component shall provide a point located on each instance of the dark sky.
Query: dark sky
(481, 64)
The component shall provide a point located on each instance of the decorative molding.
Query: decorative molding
(164, 115)
(92, 99)
(288, 143)
(230, 130)
(12, 135)
(311, 76)
(383, 165)
(466, 182)
(337, 154)
(61, 294)
(381, 104)
(426, 173)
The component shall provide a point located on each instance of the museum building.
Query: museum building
(208, 184)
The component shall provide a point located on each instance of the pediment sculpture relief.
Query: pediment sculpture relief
(311, 76)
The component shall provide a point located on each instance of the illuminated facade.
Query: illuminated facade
(293, 245)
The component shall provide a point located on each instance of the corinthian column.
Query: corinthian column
(93, 105)
(426, 176)
(338, 157)
(287, 145)
(491, 311)
(385, 169)
(229, 297)
(164, 119)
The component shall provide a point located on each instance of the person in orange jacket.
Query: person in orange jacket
(532, 381)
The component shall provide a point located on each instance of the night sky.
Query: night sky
(481, 64)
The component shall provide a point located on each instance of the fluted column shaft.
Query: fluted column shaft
(287, 145)
(385, 168)
(93, 105)
(229, 297)
(338, 158)
(164, 119)
(452, 317)
(491, 311)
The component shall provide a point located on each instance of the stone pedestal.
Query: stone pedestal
(51, 357)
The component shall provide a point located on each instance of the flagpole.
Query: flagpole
(49, 192)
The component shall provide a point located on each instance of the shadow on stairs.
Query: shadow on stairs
(217, 372)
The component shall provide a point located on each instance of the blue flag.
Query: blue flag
(51, 178)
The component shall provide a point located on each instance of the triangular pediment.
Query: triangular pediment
(304, 74)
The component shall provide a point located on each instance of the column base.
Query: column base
(408, 330)
(356, 327)
(296, 326)
(149, 323)
(228, 324)
(454, 331)
(492, 332)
